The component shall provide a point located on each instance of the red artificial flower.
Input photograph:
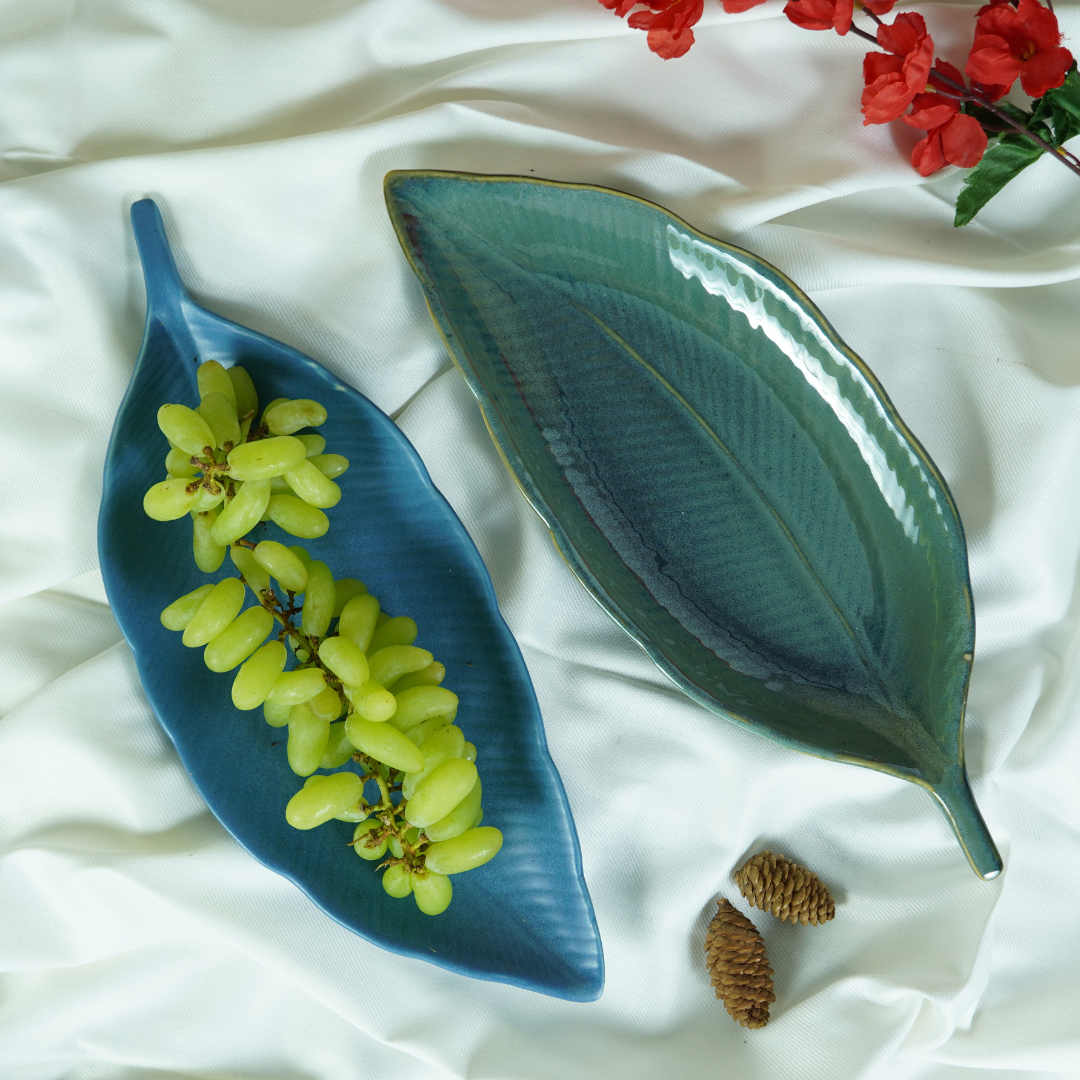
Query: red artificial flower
(667, 21)
(952, 138)
(1022, 42)
(829, 14)
(892, 81)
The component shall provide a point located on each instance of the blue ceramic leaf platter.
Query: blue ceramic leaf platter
(526, 917)
(724, 475)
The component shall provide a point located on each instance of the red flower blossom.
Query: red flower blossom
(952, 138)
(1019, 42)
(829, 14)
(667, 21)
(893, 81)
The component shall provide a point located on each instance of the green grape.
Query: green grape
(214, 379)
(338, 747)
(290, 416)
(394, 844)
(400, 630)
(321, 798)
(420, 703)
(470, 752)
(273, 405)
(244, 395)
(344, 590)
(326, 704)
(459, 820)
(432, 892)
(432, 675)
(358, 618)
(257, 578)
(274, 714)
(422, 730)
(239, 639)
(441, 744)
(393, 661)
(443, 789)
(301, 553)
(266, 458)
(282, 564)
(209, 554)
(210, 494)
(220, 414)
(185, 428)
(279, 486)
(330, 465)
(257, 676)
(344, 658)
(319, 602)
(397, 881)
(296, 687)
(479, 818)
(178, 463)
(315, 444)
(312, 486)
(180, 612)
(372, 701)
(170, 499)
(385, 744)
(308, 738)
(243, 512)
(465, 852)
(221, 606)
(296, 517)
(361, 836)
(359, 811)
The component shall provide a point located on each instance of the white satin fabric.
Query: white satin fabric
(137, 939)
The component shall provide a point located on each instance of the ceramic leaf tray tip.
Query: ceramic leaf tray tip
(525, 918)
(723, 474)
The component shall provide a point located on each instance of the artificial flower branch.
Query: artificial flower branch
(1069, 160)
(1014, 40)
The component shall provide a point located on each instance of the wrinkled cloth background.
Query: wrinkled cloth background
(137, 939)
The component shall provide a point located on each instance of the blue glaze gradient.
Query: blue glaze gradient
(719, 469)
(525, 918)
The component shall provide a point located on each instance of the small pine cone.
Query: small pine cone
(738, 966)
(776, 884)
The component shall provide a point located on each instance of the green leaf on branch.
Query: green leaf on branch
(1061, 107)
(1067, 95)
(1015, 112)
(1000, 164)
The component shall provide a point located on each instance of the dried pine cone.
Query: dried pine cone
(738, 966)
(776, 884)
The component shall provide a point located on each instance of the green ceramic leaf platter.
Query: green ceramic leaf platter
(724, 475)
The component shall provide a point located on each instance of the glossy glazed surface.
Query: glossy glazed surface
(723, 474)
(524, 918)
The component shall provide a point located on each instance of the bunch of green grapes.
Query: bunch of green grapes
(357, 687)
